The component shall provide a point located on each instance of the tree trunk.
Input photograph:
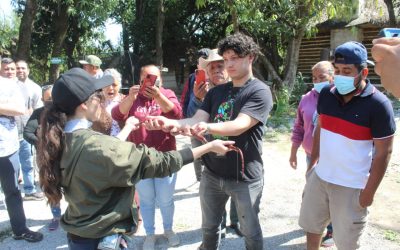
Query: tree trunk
(70, 44)
(128, 68)
(25, 30)
(159, 33)
(292, 59)
(270, 68)
(60, 27)
(138, 19)
(233, 12)
(392, 16)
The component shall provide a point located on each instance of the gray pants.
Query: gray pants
(198, 164)
(214, 193)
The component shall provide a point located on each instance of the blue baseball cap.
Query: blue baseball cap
(351, 53)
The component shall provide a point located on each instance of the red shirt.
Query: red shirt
(156, 138)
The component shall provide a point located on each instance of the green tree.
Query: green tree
(391, 5)
(8, 34)
(279, 27)
(25, 29)
(61, 28)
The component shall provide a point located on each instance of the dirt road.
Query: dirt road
(280, 207)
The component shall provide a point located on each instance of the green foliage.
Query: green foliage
(286, 104)
(391, 235)
(8, 34)
(283, 111)
(85, 33)
(299, 89)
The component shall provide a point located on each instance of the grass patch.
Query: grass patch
(391, 235)
(5, 234)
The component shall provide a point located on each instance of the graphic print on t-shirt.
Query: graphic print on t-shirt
(224, 113)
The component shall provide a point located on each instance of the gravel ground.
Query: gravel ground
(280, 207)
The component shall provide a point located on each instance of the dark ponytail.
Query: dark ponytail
(50, 148)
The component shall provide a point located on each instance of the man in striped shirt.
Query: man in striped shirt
(351, 150)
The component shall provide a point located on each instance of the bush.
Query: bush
(286, 104)
(299, 89)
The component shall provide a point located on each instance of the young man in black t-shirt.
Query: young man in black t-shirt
(236, 111)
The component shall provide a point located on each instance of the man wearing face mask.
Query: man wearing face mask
(304, 125)
(351, 149)
(302, 134)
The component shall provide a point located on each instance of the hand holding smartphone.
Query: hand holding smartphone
(386, 53)
(389, 32)
(200, 75)
(149, 80)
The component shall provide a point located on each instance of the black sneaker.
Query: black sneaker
(29, 236)
(327, 241)
(34, 197)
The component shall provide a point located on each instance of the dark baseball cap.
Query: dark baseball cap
(74, 87)
(203, 53)
(351, 53)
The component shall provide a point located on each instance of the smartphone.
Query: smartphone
(389, 32)
(149, 80)
(200, 76)
(124, 90)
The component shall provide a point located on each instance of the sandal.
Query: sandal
(29, 236)
(54, 224)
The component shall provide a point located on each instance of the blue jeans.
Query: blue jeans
(198, 163)
(9, 170)
(214, 193)
(160, 190)
(82, 244)
(26, 161)
(56, 211)
(232, 216)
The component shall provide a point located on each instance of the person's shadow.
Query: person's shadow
(189, 237)
(275, 242)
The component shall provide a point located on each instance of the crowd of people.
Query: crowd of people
(114, 157)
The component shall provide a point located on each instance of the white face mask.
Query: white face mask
(319, 86)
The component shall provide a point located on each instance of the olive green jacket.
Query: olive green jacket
(98, 177)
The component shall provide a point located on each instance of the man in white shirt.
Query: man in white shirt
(9, 70)
(35, 91)
(11, 105)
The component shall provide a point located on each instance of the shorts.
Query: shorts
(324, 202)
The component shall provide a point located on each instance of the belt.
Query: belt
(77, 237)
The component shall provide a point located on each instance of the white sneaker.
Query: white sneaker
(149, 242)
(173, 238)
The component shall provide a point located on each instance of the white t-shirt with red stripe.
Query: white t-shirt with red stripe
(347, 134)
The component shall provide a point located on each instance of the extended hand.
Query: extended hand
(220, 147)
(200, 128)
(161, 123)
(132, 122)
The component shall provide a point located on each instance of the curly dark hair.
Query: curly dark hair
(240, 43)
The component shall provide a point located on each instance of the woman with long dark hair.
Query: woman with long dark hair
(96, 173)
